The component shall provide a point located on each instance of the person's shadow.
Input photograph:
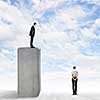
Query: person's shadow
(8, 95)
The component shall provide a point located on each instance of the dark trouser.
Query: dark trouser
(74, 86)
(31, 42)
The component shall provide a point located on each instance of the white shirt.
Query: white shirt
(74, 73)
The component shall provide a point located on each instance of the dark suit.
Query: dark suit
(32, 34)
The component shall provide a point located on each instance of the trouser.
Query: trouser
(31, 42)
(74, 86)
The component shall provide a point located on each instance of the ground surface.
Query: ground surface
(12, 95)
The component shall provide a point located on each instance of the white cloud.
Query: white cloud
(5, 61)
(41, 6)
(6, 34)
(18, 31)
(5, 52)
(49, 32)
(89, 33)
(97, 2)
(69, 16)
(97, 22)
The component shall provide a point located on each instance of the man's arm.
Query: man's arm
(30, 32)
(75, 75)
(72, 75)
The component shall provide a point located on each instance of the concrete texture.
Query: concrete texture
(28, 72)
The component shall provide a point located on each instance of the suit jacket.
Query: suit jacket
(32, 31)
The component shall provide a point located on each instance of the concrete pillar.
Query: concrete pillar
(28, 72)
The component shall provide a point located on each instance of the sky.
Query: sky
(67, 32)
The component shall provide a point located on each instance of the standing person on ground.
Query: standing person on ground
(74, 80)
(32, 34)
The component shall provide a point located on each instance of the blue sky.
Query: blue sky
(67, 31)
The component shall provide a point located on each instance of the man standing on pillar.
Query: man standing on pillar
(32, 34)
(74, 80)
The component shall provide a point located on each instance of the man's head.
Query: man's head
(34, 23)
(74, 67)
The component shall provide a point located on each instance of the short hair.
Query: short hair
(34, 23)
(74, 67)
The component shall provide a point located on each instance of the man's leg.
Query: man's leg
(31, 42)
(76, 86)
(73, 86)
